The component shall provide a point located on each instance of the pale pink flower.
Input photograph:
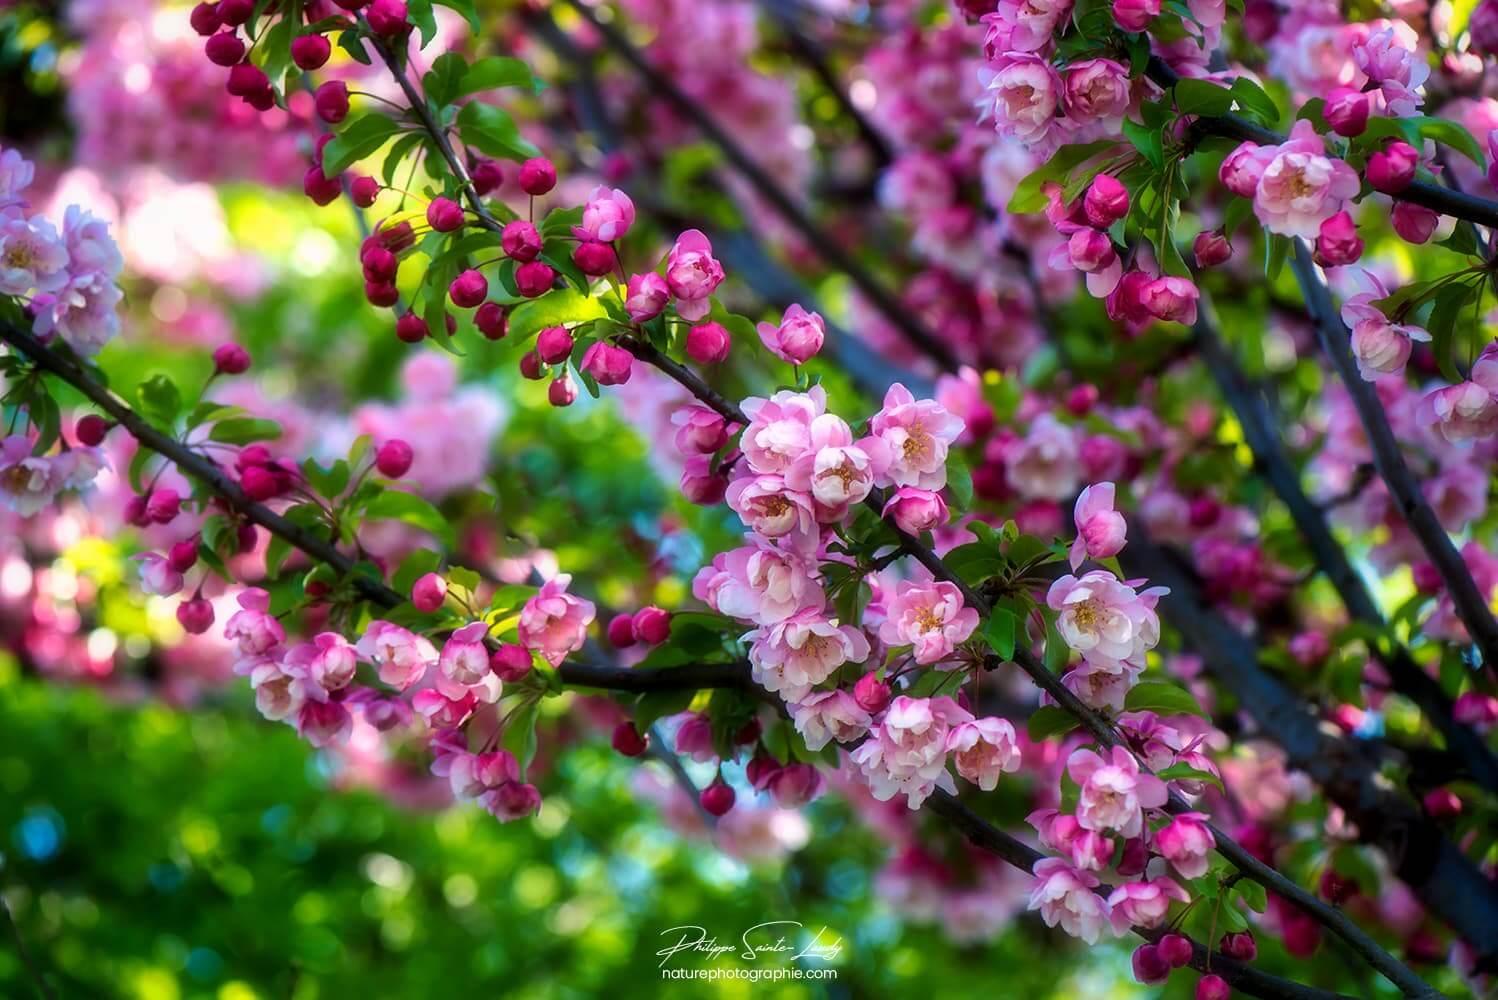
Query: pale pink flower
(1090, 850)
(1462, 412)
(253, 627)
(1097, 90)
(328, 661)
(798, 337)
(84, 312)
(1186, 843)
(1105, 619)
(400, 656)
(1145, 904)
(90, 247)
(33, 257)
(324, 723)
(795, 785)
(767, 505)
(1100, 528)
(833, 469)
(824, 716)
(928, 616)
(694, 738)
(27, 483)
(156, 575)
(607, 216)
(906, 750)
(693, 274)
(1114, 791)
(1022, 25)
(465, 659)
(471, 774)
(917, 435)
(699, 429)
(982, 749)
(16, 175)
(1025, 96)
(279, 692)
(441, 712)
(1064, 896)
(555, 622)
(1301, 186)
(779, 430)
(1044, 465)
(1383, 348)
(793, 656)
(1056, 830)
(765, 584)
(1100, 687)
(646, 296)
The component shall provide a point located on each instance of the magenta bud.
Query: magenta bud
(1442, 803)
(246, 79)
(428, 593)
(90, 429)
(562, 391)
(872, 694)
(394, 458)
(1149, 967)
(445, 215)
(1414, 223)
(521, 241)
(531, 366)
(468, 289)
(554, 344)
(1240, 945)
(717, 798)
(1211, 248)
(163, 506)
(204, 19)
(511, 661)
(1392, 168)
(621, 631)
(1338, 244)
(1213, 987)
(364, 191)
(487, 176)
(594, 259)
(388, 18)
(1175, 950)
(1347, 112)
(537, 176)
(708, 343)
(310, 52)
(1107, 201)
(331, 101)
(195, 616)
(231, 359)
(628, 741)
(320, 188)
(235, 12)
(381, 294)
(411, 328)
(652, 625)
(183, 555)
(491, 320)
(380, 265)
(534, 278)
(259, 483)
(224, 49)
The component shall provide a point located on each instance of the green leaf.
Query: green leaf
(520, 732)
(243, 430)
(465, 8)
(1444, 325)
(658, 704)
(1000, 631)
(1253, 894)
(975, 561)
(1028, 196)
(360, 137)
(959, 481)
(1185, 771)
(327, 482)
(496, 72)
(556, 308)
(1162, 698)
(1057, 652)
(493, 132)
(159, 399)
(395, 505)
(1048, 721)
(1147, 141)
(1202, 97)
(1453, 135)
(420, 13)
(1254, 101)
(442, 81)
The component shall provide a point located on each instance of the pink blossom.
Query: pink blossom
(157, 576)
(1105, 619)
(929, 616)
(1097, 90)
(280, 692)
(1044, 465)
(1383, 348)
(694, 738)
(511, 801)
(324, 723)
(798, 337)
(1091, 252)
(915, 510)
(796, 654)
(1026, 94)
(1462, 412)
(607, 364)
(16, 175)
(699, 430)
(824, 716)
(982, 749)
(1243, 168)
(464, 661)
(767, 505)
(1064, 896)
(1172, 299)
(28, 483)
(441, 712)
(253, 627)
(906, 750)
(1090, 850)
(765, 584)
(1056, 830)
(1022, 25)
(607, 216)
(1100, 528)
(1186, 842)
(646, 296)
(554, 622)
(1101, 687)
(33, 257)
(692, 274)
(1301, 186)
(833, 469)
(1473, 708)
(1114, 791)
(328, 661)
(779, 430)
(795, 785)
(917, 435)
(471, 774)
(401, 656)
(1145, 904)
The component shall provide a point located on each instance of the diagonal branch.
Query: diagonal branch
(1471, 606)
(1252, 409)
